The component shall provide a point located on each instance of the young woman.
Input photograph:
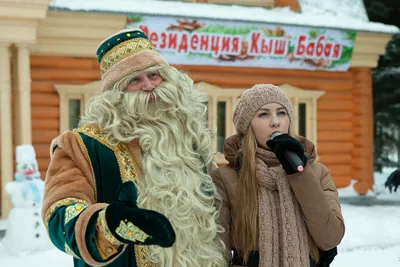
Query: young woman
(274, 214)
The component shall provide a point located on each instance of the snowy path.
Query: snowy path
(372, 235)
(372, 239)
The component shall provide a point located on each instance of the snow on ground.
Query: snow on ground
(372, 235)
(389, 257)
(49, 258)
(2, 224)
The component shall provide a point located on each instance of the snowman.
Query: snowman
(25, 231)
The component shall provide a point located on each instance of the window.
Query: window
(302, 120)
(221, 102)
(74, 112)
(305, 110)
(221, 122)
(73, 102)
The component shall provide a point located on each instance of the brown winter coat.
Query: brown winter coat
(313, 188)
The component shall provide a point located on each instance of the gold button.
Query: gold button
(109, 250)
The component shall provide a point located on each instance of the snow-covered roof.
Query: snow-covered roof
(343, 8)
(311, 15)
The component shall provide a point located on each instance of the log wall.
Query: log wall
(45, 73)
(345, 141)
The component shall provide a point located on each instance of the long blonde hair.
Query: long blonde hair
(246, 224)
(176, 147)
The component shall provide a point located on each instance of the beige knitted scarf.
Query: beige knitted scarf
(283, 240)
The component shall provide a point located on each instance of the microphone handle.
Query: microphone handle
(294, 160)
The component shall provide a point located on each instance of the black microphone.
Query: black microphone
(291, 157)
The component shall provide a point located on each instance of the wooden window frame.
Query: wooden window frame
(68, 92)
(310, 98)
(215, 95)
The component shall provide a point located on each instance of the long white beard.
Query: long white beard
(174, 181)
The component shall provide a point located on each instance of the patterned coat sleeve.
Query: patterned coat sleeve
(70, 211)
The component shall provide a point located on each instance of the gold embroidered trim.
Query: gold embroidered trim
(129, 231)
(142, 256)
(122, 51)
(61, 203)
(69, 251)
(104, 230)
(86, 154)
(128, 165)
(101, 252)
(129, 171)
(72, 211)
(94, 132)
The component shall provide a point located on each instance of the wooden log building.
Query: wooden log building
(48, 71)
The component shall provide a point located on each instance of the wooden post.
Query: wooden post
(363, 159)
(22, 94)
(6, 141)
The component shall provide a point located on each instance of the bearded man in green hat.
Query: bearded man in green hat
(131, 185)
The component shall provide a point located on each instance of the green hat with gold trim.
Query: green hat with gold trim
(125, 52)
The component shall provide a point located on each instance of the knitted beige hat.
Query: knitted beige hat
(253, 99)
(125, 52)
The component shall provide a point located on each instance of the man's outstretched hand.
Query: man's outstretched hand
(131, 224)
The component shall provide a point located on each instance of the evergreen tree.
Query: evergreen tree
(386, 87)
(384, 11)
(392, 55)
(386, 101)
